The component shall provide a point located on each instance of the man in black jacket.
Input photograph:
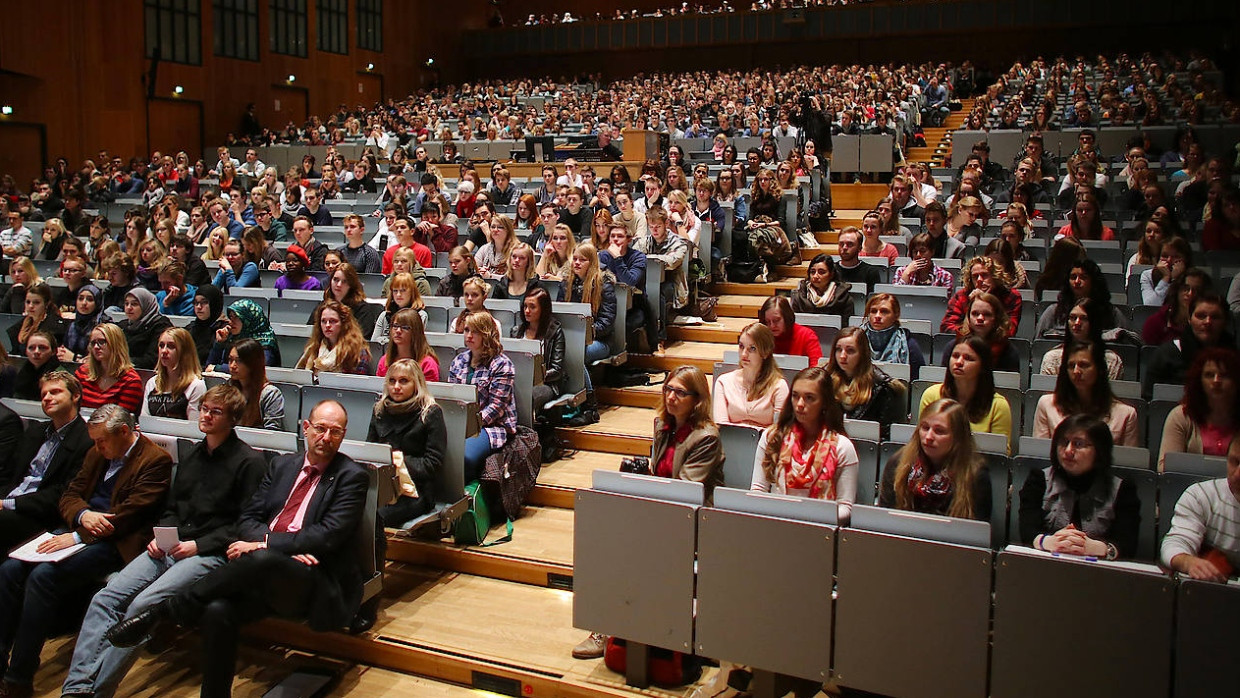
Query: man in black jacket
(44, 460)
(294, 557)
(214, 481)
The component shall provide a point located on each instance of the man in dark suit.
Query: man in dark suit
(45, 460)
(293, 559)
(109, 508)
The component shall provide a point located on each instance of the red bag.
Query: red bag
(668, 668)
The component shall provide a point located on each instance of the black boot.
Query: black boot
(132, 631)
(588, 414)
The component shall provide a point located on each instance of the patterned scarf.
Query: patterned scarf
(814, 469)
(889, 345)
(930, 492)
(819, 299)
(254, 323)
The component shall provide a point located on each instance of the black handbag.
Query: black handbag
(744, 271)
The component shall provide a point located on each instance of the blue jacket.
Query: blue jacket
(225, 280)
(184, 305)
(629, 270)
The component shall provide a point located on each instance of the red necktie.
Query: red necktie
(295, 498)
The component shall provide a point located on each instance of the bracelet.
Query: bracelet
(1037, 543)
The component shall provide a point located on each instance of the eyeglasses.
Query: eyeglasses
(213, 412)
(323, 429)
(402, 328)
(678, 392)
(1076, 444)
(98, 342)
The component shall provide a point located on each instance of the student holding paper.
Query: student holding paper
(214, 481)
(47, 458)
(109, 507)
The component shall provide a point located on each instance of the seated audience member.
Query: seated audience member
(942, 245)
(75, 272)
(520, 279)
(355, 251)
(235, 270)
(1171, 319)
(208, 305)
(686, 440)
(850, 268)
(1082, 388)
(303, 233)
(1207, 327)
(557, 254)
(1083, 326)
(1064, 255)
(41, 313)
(1149, 248)
(922, 271)
(988, 320)
(312, 209)
(484, 365)
(1204, 539)
(1083, 280)
(181, 249)
(473, 300)
(402, 227)
(807, 454)
(89, 310)
(982, 275)
(820, 292)
(1222, 231)
(336, 344)
(175, 297)
(407, 340)
(1085, 221)
(492, 257)
(407, 419)
(872, 244)
(889, 342)
(433, 232)
(1077, 506)
(674, 252)
(1208, 416)
(327, 593)
(176, 389)
(151, 258)
(460, 267)
(23, 275)
(405, 262)
(401, 294)
(345, 287)
(626, 264)
(295, 276)
(142, 326)
(109, 506)
(40, 361)
(790, 338)
(587, 283)
(970, 381)
(215, 479)
(245, 320)
(539, 324)
(1175, 259)
(939, 471)
(46, 458)
(107, 376)
(962, 220)
(1001, 253)
(863, 390)
(752, 393)
(247, 370)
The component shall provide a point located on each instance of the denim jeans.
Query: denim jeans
(98, 666)
(477, 448)
(595, 351)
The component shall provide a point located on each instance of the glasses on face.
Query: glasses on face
(401, 328)
(1076, 444)
(212, 412)
(330, 431)
(98, 343)
(678, 392)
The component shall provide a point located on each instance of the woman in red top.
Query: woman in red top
(108, 376)
(790, 338)
(1085, 221)
(1222, 231)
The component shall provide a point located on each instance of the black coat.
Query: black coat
(422, 441)
(144, 343)
(553, 352)
(42, 505)
(26, 384)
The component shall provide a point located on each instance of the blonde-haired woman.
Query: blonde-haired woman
(756, 390)
(107, 376)
(336, 343)
(215, 243)
(473, 300)
(520, 279)
(585, 283)
(24, 275)
(402, 294)
(682, 220)
(54, 236)
(492, 258)
(962, 219)
(558, 254)
(407, 419)
(484, 365)
(939, 471)
(806, 453)
(176, 389)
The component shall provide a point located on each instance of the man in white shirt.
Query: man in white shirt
(16, 240)
(252, 165)
(571, 177)
(1205, 530)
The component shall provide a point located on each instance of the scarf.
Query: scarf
(819, 300)
(929, 492)
(889, 345)
(813, 469)
(29, 325)
(78, 332)
(326, 360)
(148, 305)
(254, 324)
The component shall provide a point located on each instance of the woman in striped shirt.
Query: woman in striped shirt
(108, 376)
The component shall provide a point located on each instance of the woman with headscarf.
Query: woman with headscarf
(142, 326)
(245, 321)
(208, 304)
(89, 307)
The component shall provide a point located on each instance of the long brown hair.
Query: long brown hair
(417, 337)
(349, 347)
(769, 374)
(858, 389)
(961, 463)
(693, 379)
(831, 416)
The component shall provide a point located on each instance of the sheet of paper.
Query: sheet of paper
(166, 538)
(29, 551)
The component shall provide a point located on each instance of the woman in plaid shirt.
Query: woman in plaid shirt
(484, 366)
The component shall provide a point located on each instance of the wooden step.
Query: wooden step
(856, 196)
(540, 552)
(620, 430)
(733, 302)
(764, 291)
(724, 330)
(644, 396)
(502, 637)
(559, 481)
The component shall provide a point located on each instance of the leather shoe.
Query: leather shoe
(133, 631)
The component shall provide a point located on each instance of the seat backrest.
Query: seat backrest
(740, 444)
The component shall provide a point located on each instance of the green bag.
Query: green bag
(475, 523)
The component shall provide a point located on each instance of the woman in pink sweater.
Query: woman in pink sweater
(752, 393)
